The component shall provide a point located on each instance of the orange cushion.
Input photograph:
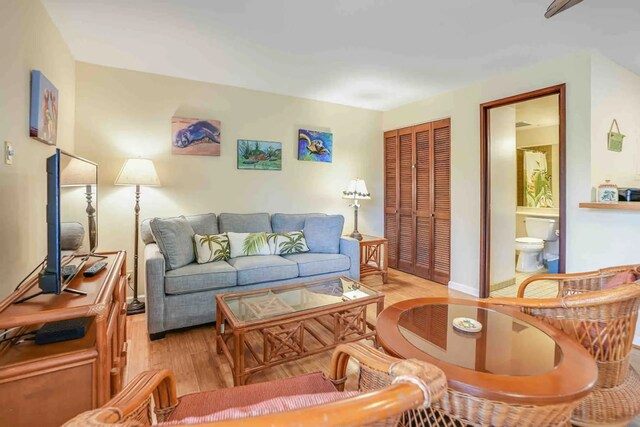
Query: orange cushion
(209, 402)
(271, 406)
(621, 278)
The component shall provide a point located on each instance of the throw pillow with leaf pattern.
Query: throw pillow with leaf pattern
(292, 242)
(211, 247)
(248, 244)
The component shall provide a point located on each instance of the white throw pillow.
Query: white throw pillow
(292, 242)
(211, 247)
(247, 244)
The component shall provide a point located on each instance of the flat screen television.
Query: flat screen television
(72, 228)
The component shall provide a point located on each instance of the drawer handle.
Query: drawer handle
(123, 310)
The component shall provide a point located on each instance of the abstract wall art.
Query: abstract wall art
(315, 146)
(259, 155)
(195, 137)
(43, 115)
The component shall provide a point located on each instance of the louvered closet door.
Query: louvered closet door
(391, 191)
(406, 233)
(424, 194)
(441, 201)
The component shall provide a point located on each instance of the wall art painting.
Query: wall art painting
(195, 137)
(43, 114)
(315, 146)
(259, 155)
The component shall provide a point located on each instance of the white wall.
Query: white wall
(463, 107)
(503, 193)
(123, 114)
(30, 41)
(615, 235)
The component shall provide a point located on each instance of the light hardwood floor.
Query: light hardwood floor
(191, 354)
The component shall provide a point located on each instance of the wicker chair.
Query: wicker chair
(603, 321)
(415, 385)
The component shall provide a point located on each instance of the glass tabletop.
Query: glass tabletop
(268, 303)
(504, 346)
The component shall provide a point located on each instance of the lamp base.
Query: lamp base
(135, 307)
(356, 235)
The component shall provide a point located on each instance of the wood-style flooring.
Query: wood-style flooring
(191, 354)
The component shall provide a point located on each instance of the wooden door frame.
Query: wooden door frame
(485, 176)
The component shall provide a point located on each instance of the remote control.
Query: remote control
(94, 269)
(69, 270)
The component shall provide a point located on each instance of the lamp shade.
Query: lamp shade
(78, 173)
(357, 190)
(138, 172)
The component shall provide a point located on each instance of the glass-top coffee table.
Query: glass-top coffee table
(515, 367)
(258, 329)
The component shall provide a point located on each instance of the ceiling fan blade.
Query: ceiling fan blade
(560, 6)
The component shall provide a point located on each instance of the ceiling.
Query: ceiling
(375, 54)
(539, 112)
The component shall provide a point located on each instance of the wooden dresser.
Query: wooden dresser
(45, 385)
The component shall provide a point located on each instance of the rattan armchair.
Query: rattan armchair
(604, 322)
(414, 385)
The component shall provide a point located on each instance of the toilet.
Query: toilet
(542, 233)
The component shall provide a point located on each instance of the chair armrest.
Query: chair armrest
(588, 278)
(154, 287)
(384, 369)
(351, 248)
(132, 405)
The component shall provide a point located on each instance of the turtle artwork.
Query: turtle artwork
(315, 146)
(195, 137)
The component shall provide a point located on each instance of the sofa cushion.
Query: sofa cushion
(199, 277)
(201, 224)
(323, 233)
(71, 236)
(145, 232)
(211, 247)
(292, 242)
(175, 239)
(208, 402)
(248, 244)
(283, 223)
(244, 223)
(310, 264)
(257, 269)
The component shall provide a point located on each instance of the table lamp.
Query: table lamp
(138, 172)
(356, 190)
(79, 173)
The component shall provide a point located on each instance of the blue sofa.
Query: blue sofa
(184, 296)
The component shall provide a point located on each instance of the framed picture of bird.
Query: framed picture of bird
(315, 146)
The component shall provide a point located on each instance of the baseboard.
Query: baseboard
(470, 290)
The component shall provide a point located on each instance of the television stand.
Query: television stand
(71, 291)
(67, 377)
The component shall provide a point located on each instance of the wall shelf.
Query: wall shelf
(620, 206)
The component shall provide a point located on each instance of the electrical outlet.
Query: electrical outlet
(9, 152)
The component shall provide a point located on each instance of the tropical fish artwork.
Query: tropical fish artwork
(315, 146)
(43, 117)
(195, 136)
(259, 155)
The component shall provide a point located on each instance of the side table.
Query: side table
(374, 256)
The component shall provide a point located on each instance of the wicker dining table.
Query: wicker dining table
(516, 371)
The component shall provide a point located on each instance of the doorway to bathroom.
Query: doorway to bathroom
(522, 191)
